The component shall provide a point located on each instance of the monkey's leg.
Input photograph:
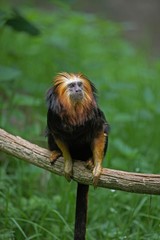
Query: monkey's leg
(68, 164)
(98, 154)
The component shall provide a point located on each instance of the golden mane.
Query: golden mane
(76, 113)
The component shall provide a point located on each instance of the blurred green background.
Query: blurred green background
(38, 40)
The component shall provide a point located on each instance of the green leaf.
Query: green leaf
(19, 23)
(124, 148)
(26, 100)
(3, 16)
(9, 73)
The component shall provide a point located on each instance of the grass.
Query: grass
(35, 204)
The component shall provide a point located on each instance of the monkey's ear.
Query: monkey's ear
(52, 101)
(50, 98)
(94, 90)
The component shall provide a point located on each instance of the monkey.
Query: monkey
(77, 129)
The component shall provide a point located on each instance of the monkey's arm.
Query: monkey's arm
(55, 151)
(68, 164)
(98, 148)
(54, 125)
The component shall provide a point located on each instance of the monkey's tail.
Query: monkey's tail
(81, 212)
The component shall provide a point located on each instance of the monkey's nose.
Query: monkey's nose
(78, 89)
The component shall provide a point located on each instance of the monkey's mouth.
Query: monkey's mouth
(76, 97)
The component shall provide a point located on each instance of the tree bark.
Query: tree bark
(112, 179)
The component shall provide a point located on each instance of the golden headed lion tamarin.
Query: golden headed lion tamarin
(77, 129)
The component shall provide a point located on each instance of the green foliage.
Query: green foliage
(31, 204)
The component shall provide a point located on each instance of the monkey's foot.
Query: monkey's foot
(54, 155)
(96, 174)
(68, 170)
(89, 164)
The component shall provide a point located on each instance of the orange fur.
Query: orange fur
(76, 112)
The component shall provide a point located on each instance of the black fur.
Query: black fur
(78, 138)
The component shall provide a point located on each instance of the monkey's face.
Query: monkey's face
(75, 91)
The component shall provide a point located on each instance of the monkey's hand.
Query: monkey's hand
(96, 174)
(68, 169)
(54, 155)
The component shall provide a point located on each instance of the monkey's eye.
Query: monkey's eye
(71, 85)
(80, 84)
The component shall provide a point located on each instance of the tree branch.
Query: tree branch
(113, 179)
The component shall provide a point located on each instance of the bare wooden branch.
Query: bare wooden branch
(112, 179)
